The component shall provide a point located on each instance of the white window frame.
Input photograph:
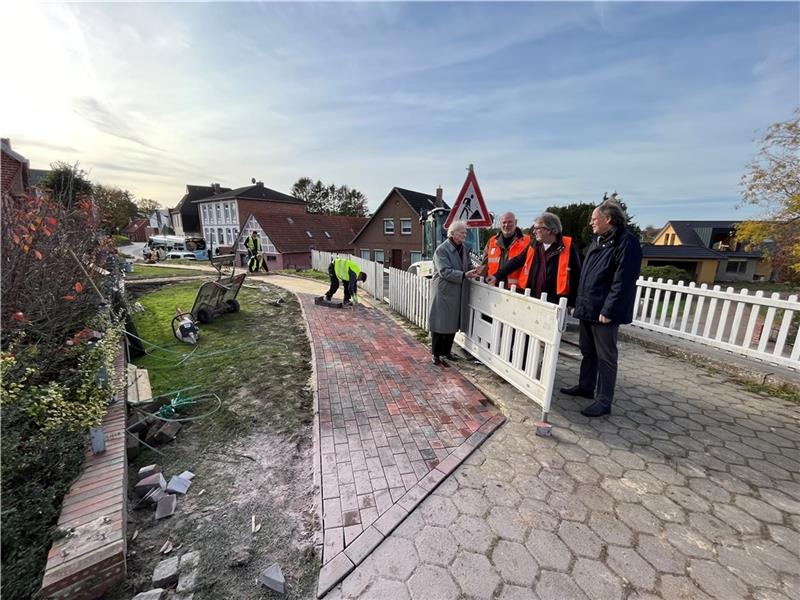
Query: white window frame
(382, 255)
(205, 214)
(218, 212)
(227, 212)
(228, 238)
(365, 254)
(403, 223)
(388, 226)
(234, 217)
(220, 236)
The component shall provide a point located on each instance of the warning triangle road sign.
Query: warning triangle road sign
(469, 206)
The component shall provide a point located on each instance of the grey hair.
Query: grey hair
(549, 220)
(456, 225)
(612, 209)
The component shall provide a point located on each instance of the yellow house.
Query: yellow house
(707, 250)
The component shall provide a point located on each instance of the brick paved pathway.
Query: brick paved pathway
(392, 426)
(691, 490)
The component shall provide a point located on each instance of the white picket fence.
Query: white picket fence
(515, 335)
(751, 325)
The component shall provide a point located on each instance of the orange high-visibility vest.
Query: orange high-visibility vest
(562, 275)
(518, 246)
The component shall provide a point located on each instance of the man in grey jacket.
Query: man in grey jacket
(451, 267)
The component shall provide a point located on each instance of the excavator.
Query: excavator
(434, 233)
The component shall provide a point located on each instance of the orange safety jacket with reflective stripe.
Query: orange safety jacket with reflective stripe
(562, 275)
(518, 246)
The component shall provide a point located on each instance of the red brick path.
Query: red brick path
(388, 420)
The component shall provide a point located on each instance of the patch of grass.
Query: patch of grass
(781, 392)
(150, 271)
(261, 347)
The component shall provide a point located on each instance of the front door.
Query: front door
(397, 259)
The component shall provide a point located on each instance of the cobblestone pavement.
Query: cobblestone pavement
(391, 427)
(690, 489)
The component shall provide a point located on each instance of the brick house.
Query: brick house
(707, 250)
(14, 169)
(288, 233)
(393, 234)
(184, 217)
(137, 230)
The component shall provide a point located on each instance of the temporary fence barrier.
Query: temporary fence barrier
(750, 325)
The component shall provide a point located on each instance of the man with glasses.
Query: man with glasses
(606, 294)
(552, 263)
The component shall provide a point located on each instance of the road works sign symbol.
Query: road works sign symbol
(470, 206)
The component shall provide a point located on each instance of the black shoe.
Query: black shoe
(577, 391)
(437, 360)
(597, 409)
(444, 363)
(452, 357)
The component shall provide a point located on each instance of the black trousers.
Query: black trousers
(335, 285)
(442, 343)
(598, 344)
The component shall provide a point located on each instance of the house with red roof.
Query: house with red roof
(287, 231)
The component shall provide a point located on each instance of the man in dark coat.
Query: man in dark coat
(606, 294)
(451, 267)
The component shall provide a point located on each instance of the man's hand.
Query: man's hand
(471, 274)
(604, 319)
(491, 279)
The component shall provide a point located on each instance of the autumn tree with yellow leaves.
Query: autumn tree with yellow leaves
(772, 182)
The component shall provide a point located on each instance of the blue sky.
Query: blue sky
(552, 102)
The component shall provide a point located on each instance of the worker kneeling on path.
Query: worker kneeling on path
(349, 273)
(254, 250)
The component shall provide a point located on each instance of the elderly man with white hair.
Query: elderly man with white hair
(505, 254)
(451, 267)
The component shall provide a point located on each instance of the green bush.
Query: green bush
(666, 273)
(121, 240)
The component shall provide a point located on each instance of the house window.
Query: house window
(206, 234)
(220, 234)
(309, 234)
(416, 256)
(235, 233)
(205, 214)
(736, 266)
(234, 218)
(212, 237)
(388, 226)
(379, 256)
(228, 238)
(227, 212)
(327, 235)
(405, 226)
(219, 214)
(365, 254)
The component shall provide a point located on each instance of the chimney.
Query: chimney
(260, 184)
(439, 198)
(215, 187)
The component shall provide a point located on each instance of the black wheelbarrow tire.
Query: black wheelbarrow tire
(205, 316)
(233, 305)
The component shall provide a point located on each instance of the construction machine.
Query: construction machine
(434, 233)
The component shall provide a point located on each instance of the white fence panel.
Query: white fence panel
(516, 336)
(753, 326)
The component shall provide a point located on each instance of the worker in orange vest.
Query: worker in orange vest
(552, 263)
(505, 254)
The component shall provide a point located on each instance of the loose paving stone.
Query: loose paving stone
(156, 594)
(166, 572)
(475, 575)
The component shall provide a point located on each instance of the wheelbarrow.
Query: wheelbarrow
(214, 298)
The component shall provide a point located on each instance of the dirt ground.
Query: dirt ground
(251, 458)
